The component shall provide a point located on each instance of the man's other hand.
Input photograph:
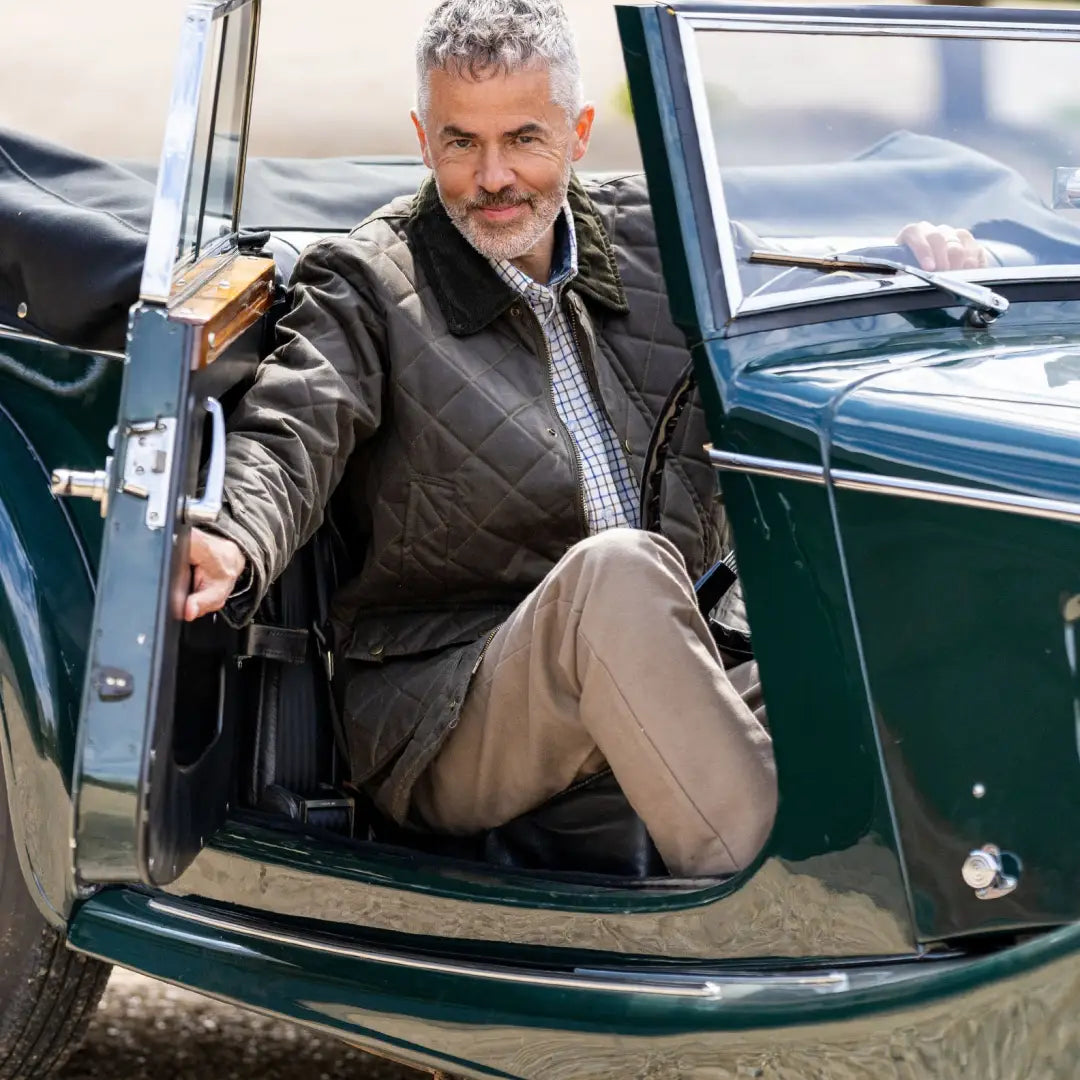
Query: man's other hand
(941, 247)
(216, 565)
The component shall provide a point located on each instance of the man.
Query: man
(475, 371)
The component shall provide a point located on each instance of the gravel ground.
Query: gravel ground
(149, 1029)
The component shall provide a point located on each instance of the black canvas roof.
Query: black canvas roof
(73, 228)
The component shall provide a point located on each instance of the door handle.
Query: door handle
(205, 509)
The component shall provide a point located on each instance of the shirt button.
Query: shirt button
(376, 650)
(552, 432)
(627, 447)
(516, 311)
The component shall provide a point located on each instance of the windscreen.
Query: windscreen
(830, 142)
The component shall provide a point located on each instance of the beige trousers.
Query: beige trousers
(609, 662)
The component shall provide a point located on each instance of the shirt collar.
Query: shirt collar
(564, 263)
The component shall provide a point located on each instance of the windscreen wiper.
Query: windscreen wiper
(984, 304)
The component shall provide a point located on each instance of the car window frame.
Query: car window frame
(167, 278)
(732, 311)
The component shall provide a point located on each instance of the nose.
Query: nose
(493, 173)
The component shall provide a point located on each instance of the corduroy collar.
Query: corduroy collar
(468, 290)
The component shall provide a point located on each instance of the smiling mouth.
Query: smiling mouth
(499, 214)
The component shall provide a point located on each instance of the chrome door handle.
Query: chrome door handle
(205, 509)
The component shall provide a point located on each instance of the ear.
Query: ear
(582, 132)
(421, 134)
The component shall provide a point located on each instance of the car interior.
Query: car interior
(269, 687)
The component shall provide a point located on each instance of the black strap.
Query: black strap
(282, 643)
(652, 477)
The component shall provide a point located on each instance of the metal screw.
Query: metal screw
(22, 310)
(979, 790)
(153, 515)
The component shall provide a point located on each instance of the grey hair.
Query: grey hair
(481, 38)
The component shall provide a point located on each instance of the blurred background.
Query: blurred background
(335, 77)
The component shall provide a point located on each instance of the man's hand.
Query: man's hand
(941, 247)
(217, 564)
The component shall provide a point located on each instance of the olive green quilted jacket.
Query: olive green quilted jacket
(414, 386)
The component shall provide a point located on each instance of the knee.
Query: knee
(628, 551)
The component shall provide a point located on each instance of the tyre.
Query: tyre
(47, 992)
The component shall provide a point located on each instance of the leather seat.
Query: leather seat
(292, 759)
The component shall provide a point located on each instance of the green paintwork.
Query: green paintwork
(932, 1018)
(57, 407)
(908, 651)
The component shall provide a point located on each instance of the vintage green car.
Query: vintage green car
(899, 453)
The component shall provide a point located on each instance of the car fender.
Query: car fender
(46, 607)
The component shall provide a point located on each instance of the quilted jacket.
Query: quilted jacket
(414, 386)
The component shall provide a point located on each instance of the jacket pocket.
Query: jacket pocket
(425, 545)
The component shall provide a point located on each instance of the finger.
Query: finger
(198, 547)
(974, 252)
(915, 238)
(210, 597)
(939, 245)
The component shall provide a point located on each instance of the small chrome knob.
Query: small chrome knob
(78, 484)
(984, 871)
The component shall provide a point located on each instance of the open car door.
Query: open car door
(150, 784)
(891, 452)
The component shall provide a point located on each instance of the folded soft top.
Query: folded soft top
(73, 228)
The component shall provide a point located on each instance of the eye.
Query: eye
(525, 140)
(460, 144)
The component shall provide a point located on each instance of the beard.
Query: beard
(504, 243)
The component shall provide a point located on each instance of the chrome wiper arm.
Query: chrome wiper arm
(984, 303)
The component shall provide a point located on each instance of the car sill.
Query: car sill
(712, 988)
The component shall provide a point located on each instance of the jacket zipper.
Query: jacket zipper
(575, 454)
(483, 652)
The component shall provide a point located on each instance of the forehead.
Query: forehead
(498, 101)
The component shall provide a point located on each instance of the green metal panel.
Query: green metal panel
(57, 406)
(1006, 1015)
(965, 617)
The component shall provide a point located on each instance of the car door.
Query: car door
(939, 446)
(150, 784)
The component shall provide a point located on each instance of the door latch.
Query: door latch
(147, 453)
(148, 450)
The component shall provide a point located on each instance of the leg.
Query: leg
(609, 660)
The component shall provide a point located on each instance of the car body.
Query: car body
(899, 466)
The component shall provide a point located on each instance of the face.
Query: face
(501, 152)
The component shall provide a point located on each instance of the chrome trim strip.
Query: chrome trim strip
(245, 126)
(903, 487)
(680, 985)
(13, 333)
(858, 25)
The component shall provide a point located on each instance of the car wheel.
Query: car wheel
(47, 992)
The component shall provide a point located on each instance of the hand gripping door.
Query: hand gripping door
(152, 783)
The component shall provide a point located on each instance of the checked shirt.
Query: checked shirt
(610, 494)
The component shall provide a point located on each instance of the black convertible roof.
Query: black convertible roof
(73, 228)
